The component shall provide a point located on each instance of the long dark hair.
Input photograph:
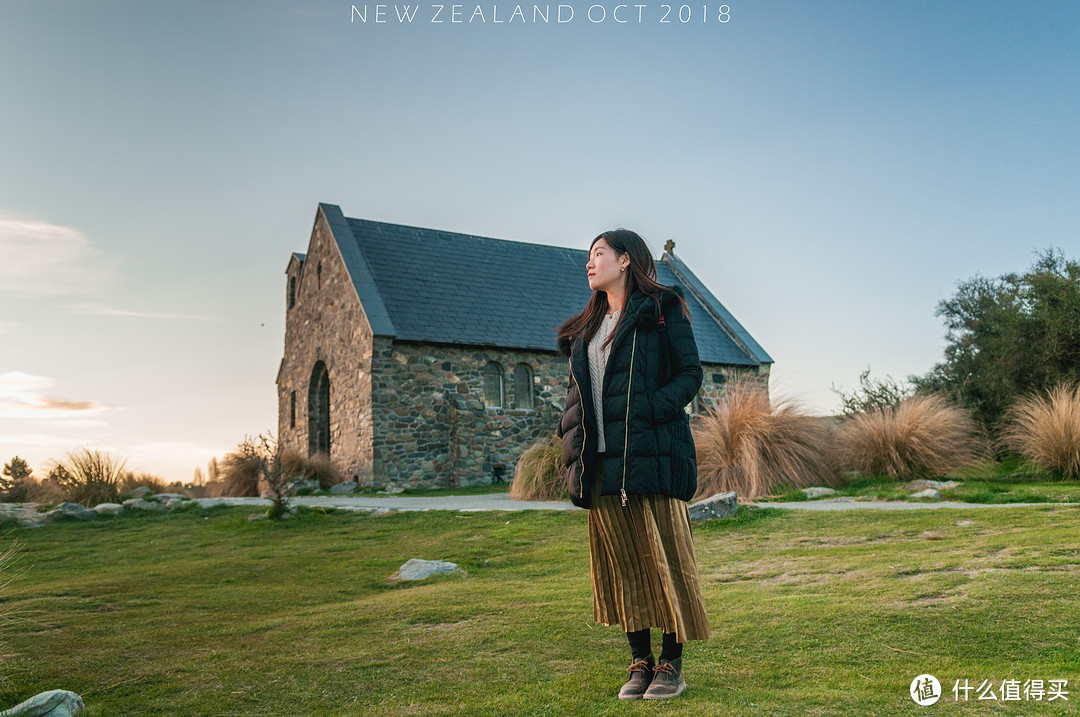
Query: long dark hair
(642, 277)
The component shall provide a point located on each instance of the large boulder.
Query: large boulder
(54, 703)
(140, 492)
(345, 488)
(720, 505)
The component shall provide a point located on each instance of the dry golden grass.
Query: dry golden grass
(130, 481)
(539, 474)
(752, 446)
(318, 467)
(240, 472)
(922, 437)
(1045, 429)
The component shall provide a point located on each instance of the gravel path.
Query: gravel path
(499, 501)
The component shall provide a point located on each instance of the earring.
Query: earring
(623, 269)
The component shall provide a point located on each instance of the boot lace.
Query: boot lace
(638, 666)
(665, 667)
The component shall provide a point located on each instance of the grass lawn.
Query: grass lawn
(834, 613)
(988, 483)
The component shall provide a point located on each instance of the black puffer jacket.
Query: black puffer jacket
(644, 420)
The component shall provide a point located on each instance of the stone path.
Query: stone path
(499, 501)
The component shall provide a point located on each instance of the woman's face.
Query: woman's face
(605, 268)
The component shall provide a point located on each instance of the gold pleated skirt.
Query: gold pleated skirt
(644, 569)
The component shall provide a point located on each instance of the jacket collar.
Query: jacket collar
(640, 312)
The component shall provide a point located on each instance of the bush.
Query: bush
(89, 476)
(751, 446)
(922, 437)
(256, 462)
(539, 474)
(872, 394)
(1045, 430)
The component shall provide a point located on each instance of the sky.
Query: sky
(830, 169)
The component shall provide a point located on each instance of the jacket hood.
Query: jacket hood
(642, 309)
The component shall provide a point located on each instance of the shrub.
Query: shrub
(89, 476)
(539, 473)
(750, 445)
(1045, 429)
(872, 394)
(924, 436)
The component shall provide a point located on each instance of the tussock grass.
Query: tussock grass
(924, 436)
(1045, 429)
(89, 476)
(240, 472)
(539, 474)
(753, 446)
(130, 481)
(318, 467)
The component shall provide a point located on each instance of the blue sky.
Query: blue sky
(831, 170)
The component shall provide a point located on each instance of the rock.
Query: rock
(140, 504)
(74, 510)
(25, 514)
(176, 502)
(928, 493)
(166, 497)
(416, 569)
(816, 491)
(301, 486)
(721, 505)
(140, 491)
(108, 508)
(392, 490)
(923, 484)
(54, 703)
(344, 488)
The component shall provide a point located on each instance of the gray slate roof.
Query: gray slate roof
(430, 285)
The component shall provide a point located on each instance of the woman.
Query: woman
(630, 459)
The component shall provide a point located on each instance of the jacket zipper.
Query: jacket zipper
(626, 421)
(584, 435)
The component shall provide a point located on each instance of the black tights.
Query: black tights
(641, 645)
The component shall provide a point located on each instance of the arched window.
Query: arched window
(319, 410)
(292, 291)
(493, 385)
(523, 386)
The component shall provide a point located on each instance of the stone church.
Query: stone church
(424, 358)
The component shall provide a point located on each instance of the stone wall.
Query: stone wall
(326, 323)
(431, 425)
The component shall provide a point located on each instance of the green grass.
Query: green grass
(1005, 482)
(206, 613)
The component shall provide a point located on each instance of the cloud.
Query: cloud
(93, 310)
(41, 259)
(21, 397)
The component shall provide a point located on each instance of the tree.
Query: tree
(257, 460)
(15, 483)
(1010, 336)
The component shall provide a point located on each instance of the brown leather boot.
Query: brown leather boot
(667, 681)
(641, 674)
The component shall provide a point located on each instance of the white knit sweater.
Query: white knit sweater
(598, 359)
